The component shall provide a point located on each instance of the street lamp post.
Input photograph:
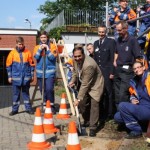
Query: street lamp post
(27, 20)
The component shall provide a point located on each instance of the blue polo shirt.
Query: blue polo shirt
(128, 50)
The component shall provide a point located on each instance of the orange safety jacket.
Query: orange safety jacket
(20, 67)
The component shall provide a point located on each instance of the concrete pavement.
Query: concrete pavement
(16, 131)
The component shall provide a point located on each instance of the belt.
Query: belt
(125, 66)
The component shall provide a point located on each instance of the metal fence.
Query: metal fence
(57, 22)
(78, 18)
(84, 17)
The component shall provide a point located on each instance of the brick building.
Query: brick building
(8, 42)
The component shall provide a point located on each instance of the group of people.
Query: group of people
(20, 68)
(120, 62)
(110, 66)
(113, 67)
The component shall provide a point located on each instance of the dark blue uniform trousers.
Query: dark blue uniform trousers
(48, 89)
(130, 114)
(16, 97)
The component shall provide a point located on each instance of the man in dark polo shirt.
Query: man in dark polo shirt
(127, 51)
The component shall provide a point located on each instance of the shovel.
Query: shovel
(81, 130)
(43, 80)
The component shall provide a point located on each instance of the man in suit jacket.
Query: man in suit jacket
(104, 49)
(88, 73)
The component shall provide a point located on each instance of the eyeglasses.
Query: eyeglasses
(137, 68)
(121, 29)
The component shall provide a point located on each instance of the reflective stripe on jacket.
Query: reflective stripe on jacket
(50, 61)
(19, 66)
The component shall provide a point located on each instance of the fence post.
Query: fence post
(106, 13)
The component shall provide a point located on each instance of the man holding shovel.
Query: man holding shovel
(88, 73)
(45, 55)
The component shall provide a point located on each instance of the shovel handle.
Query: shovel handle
(77, 112)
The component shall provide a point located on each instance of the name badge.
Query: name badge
(97, 49)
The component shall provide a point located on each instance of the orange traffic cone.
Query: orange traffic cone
(48, 123)
(73, 140)
(38, 137)
(63, 108)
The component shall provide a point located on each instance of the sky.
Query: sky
(14, 12)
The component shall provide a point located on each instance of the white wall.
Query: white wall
(75, 38)
(69, 48)
(72, 38)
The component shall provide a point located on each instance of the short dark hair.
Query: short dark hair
(89, 44)
(78, 48)
(123, 23)
(102, 26)
(20, 39)
(43, 33)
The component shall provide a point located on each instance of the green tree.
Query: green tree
(52, 9)
(56, 33)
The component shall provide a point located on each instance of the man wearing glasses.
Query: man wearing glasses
(127, 51)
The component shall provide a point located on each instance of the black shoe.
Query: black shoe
(31, 112)
(109, 117)
(13, 113)
(133, 135)
(121, 127)
(53, 110)
(92, 133)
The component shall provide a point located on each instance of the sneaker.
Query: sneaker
(12, 113)
(133, 135)
(31, 112)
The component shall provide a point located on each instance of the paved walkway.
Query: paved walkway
(16, 131)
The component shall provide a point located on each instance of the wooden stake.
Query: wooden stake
(65, 83)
